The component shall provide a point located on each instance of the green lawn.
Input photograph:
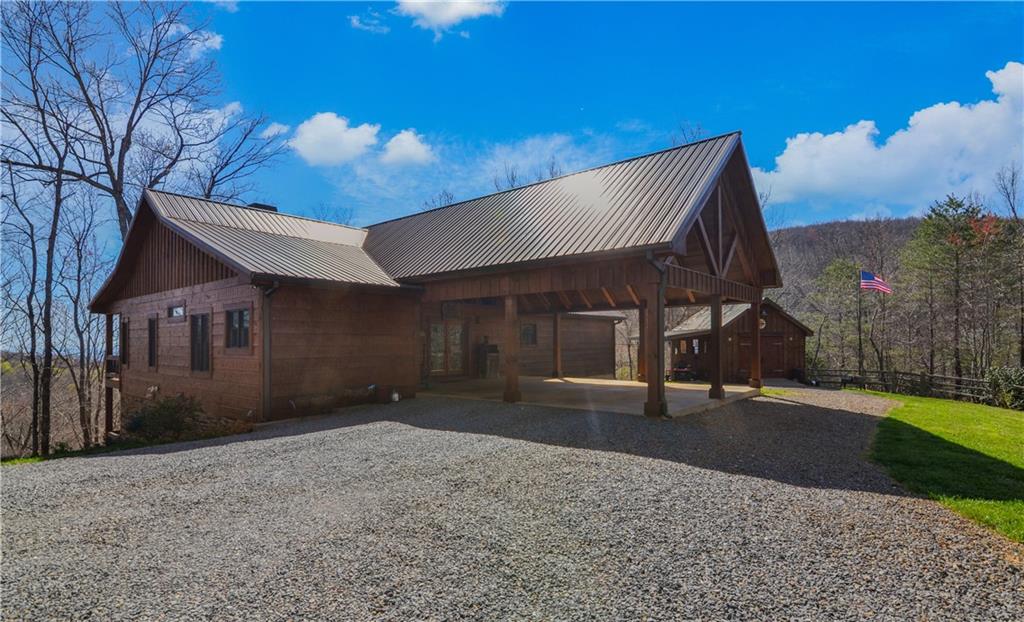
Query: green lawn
(968, 457)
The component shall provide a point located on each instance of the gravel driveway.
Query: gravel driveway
(446, 509)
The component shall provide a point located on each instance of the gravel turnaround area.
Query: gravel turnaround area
(449, 509)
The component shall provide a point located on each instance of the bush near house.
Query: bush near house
(968, 457)
(177, 418)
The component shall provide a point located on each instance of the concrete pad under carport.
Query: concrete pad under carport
(592, 394)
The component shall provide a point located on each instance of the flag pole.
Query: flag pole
(860, 330)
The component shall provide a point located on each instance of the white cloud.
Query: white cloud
(371, 22)
(871, 212)
(275, 129)
(202, 41)
(231, 6)
(407, 147)
(439, 17)
(326, 139)
(947, 147)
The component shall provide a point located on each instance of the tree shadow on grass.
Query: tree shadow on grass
(782, 440)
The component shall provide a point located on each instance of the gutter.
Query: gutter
(265, 308)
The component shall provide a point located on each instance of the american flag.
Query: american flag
(869, 280)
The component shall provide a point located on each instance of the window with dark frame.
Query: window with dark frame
(176, 311)
(237, 328)
(528, 335)
(124, 342)
(151, 328)
(200, 341)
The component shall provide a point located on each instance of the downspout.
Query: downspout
(268, 292)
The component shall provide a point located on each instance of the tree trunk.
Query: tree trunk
(958, 370)
(47, 324)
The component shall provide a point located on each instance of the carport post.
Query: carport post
(653, 312)
(717, 391)
(755, 343)
(511, 348)
(556, 349)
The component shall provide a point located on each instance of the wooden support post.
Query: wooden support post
(715, 355)
(511, 348)
(108, 392)
(755, 343)
(654, 351)
(641, 345)
(556, 350)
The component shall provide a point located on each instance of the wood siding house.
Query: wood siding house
(783, 342)
(264, 315)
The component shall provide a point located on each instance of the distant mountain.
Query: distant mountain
(804, 252)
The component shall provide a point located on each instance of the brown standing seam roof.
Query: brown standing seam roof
(261, 242)
(636, 203)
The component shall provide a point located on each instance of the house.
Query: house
(263, 315)
(783, 340)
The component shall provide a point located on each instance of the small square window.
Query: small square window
(528, 335)
(236, 328)
(175, 311)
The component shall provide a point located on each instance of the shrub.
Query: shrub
(1006, 386)
(164, 419)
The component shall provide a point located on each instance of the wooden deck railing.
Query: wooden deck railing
(908, 383)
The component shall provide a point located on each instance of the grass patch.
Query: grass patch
(968, 457)
(770, 392)
(98, 449)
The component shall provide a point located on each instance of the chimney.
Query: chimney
(263, 206)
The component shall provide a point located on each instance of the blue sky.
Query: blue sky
(386, 104)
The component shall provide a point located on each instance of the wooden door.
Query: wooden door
(447, 348)
(773, 356)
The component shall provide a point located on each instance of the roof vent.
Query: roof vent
(269, 208)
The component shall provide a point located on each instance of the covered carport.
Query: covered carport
(674, 228)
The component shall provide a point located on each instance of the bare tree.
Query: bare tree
(138, 118)
(22, 299)
(81, 264)
(1009, 188)
(441, 199)
(509, 180)
(686, 132)
(224, 173)
(332, 213)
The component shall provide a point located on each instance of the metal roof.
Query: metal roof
(261, 242)
(636, 203)
(604, 315)
(700, 323)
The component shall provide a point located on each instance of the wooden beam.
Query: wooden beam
(556, 350)
(565, 299)
(632, 294)
(716, 343)
(586, 300)
(608, 296)
(729, 255)
(755, 345)
(511, 351)
(654, 350)
(709, 252)
(544, 300)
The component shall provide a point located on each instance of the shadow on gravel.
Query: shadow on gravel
(782, 440)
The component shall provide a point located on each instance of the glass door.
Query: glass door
(447, 348)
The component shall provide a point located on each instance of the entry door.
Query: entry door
(773, 360)
(447, 348)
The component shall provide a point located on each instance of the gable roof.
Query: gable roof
(637, 203)
(700, 322)
(260, 242)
